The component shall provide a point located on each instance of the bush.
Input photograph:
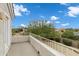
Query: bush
(57, 39)
(68, 34)
(76, 37)
(42, 28)
(67, 42)
(16, 30)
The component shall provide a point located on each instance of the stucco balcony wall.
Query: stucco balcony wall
(43, 49)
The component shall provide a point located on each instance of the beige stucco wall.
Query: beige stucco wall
(1, 37)
(5, 28)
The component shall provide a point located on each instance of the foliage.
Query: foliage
(16, 30)
(67, 42)
(68, 34)
(47, 30)
(41, 27)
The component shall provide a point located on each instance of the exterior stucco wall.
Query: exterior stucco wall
(1, 38)
(5, 28)
(3, 8)
(5, 37)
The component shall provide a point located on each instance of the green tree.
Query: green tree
(41, 27)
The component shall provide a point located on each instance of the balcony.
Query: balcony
(34, 45)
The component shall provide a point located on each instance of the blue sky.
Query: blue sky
(64, 15)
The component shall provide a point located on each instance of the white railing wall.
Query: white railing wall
(42, 49)
(66, 50)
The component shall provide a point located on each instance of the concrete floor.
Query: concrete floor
(21, 48)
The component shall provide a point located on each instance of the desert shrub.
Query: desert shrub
(42, 28)
(76, 37)
(57, 39)
(67, 42)
(68, 34)
(16, 30)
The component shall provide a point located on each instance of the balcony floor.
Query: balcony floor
(23, 48)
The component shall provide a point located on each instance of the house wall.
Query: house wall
(5, 28)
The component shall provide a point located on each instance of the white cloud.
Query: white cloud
(19, 9)
(65, 24)
(22, 25)
(60, 11)
(57, 22)
(54, 18)
(48, 22)
(42, 16)
(27, 13)
(73, 11)
(66, 4)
